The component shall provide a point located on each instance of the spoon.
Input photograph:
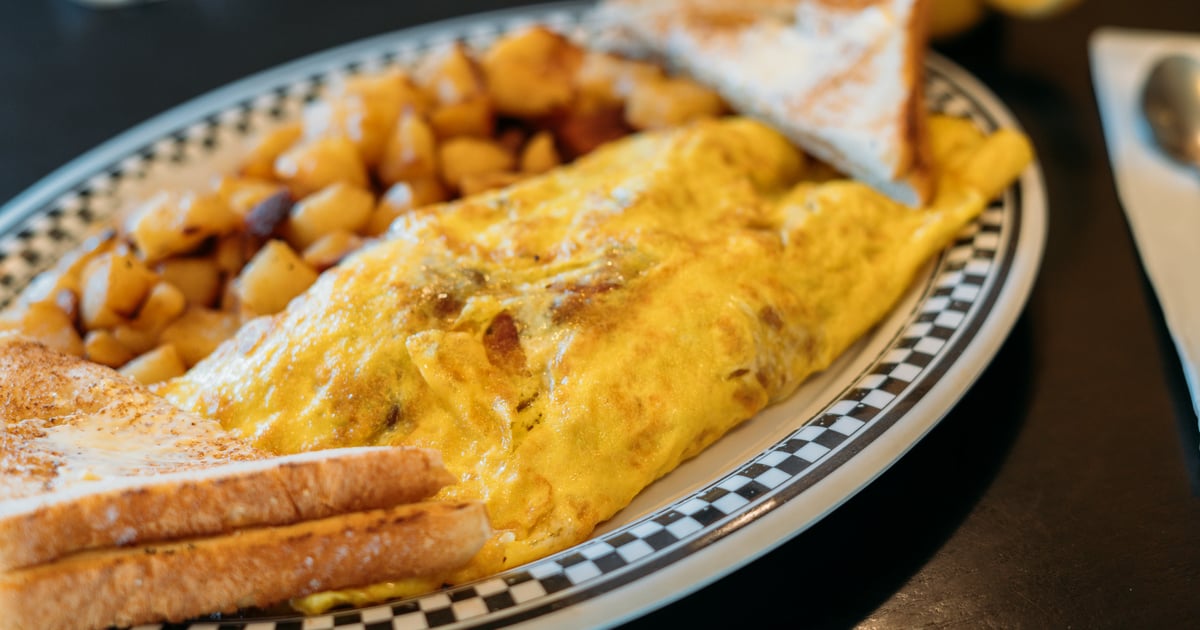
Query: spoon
(1171, 105)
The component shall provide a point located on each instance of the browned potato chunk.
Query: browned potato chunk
(272, 278)
(198, 332)
(169, 224)
(531, 73)
(449, 75)
(611, 78)
(468, 118)
(330, 249)
(136, 339)
(411, 151)
(588, 123)
(462, 157)
(318, 163)
(100, 346)
(364, 109)
(197, 279)
(670, 103)
(114, 285)
(242, 194)
(51, 284)
(402, 197)
(164, 303)
(232, 252)
(336, 207)
(160, 364)
(539, 154)
(46, 323)
(480, 182)
(260, 161)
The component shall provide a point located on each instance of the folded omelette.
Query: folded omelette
(566, 341)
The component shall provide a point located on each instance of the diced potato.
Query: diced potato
(468, 118)
(588, 123)
(198, 332)
(539, 154)
(318, 163)
(401, 198)
(100, 346)
(158, 365)
(242, 194)
(480, 182)
(670, 103)
(162, 306)
(232, 252)
(268, 214)
(364, 109)
(611, 78)
(197, 279)
(136, 339)
(272, 278)
(449, 75)
(336, 207)
(114, 285)
(260, 161)
(46, 323)
(330, 249)
(462, 157)
(531, 73)
(169, 224)
(66, 273)
(411, 152)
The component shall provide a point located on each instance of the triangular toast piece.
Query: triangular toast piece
(841, 78)
(91, 459)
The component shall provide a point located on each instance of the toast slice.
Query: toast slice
(91, 459)
(841, 78)
(254, 567)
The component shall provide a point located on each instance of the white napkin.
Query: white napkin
(1161, 198)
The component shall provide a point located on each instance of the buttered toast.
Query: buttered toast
(841, 78)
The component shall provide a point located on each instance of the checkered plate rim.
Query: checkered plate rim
(956, 300)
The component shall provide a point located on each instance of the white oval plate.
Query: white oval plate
(762, 484)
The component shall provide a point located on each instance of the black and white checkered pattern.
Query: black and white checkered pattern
(953, 298)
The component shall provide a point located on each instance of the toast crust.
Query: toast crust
(250, 568)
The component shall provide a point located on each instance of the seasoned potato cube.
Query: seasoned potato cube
(242, 194)
(411, 151)
(588, 123)
(539, 154)
(268, 214)
(402, 197)
(531, 73)
(46, 323)
(272, 278)
(336, 207)
(480, 182)
(468, 118)
(449, 75)
(136, 339)
(197, 279)
(100, 346)
(330, 249)
(164, 303)
(198, 332)
(318, 163)
(232, 252)
(611, 78)
(670, 103)
(260, 161)
(66, 274)
(160, 364)
(363, 109)
(461, 157)
(170, 224)
(114, 285)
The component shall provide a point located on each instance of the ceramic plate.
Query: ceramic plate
(765, 482)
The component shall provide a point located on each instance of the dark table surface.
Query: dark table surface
(1058, 493)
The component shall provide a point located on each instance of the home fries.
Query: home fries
(563, 270)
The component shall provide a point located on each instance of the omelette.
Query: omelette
(567, 340)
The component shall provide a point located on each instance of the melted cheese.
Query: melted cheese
(568, 340)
